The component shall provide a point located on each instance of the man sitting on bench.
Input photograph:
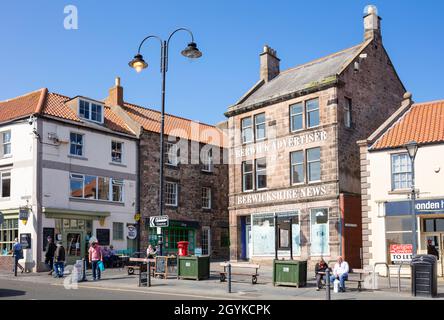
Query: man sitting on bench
(340, 272)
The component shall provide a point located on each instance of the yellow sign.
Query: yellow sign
(102, 222)
(137, 217)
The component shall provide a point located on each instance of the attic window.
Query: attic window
(91, 111)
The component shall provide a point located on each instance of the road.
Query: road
(24, 290)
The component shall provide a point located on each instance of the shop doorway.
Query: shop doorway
(433, 243)
(206, 241)
(74, 243)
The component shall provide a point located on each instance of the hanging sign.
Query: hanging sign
(132, 232)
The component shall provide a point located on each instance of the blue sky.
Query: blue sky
(36, 51)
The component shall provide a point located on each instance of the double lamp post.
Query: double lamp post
(138, 63)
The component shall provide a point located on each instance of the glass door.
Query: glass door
(74, 243)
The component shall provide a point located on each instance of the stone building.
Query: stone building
(293, 152)
(387, 185)
(196, 179)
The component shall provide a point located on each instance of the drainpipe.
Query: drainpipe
(38, 193)
(138, 206)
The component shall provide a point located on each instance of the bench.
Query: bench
(254, 275)
(352, 273)
(141, 265)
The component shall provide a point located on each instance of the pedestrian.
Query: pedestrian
(340, 272)
(17, 252)
(95, 255)
(59, 260)
(49, 255)
(150, 252)
(320, 269)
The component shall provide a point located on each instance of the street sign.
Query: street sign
(159, 221)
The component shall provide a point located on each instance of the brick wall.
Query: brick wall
(6, 263)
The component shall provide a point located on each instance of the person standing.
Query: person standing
(59, 260)
(49, 255)
(95, 255)
(340, 272)
(17, 253)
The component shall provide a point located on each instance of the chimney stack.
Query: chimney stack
(372, 23)
(269, 64)
(115, 97)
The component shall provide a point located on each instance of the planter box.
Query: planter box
(193, 267)
(290, 273)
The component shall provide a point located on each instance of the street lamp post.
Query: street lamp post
(138, 63)
(412, 149)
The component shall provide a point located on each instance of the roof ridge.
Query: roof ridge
(322, 58)
(24, 95)
(425, 103)
(168, 114)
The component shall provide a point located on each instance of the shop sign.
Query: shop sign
(399, 208)
(277, 145)
(401, 253)
(25, 240)
(132, 232)
(281, 195)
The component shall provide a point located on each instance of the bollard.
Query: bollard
(84, 266)
(327, 274)
(15, 266)
(149, 273)
(229, 277)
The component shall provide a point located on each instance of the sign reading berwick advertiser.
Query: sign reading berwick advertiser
(281, 195)
(281, 144)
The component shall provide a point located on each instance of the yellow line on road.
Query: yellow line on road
(155, 292)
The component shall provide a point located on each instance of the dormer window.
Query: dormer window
(90, 111)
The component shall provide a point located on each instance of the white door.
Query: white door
(206, 240)
(248, 241)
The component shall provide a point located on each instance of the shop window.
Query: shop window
(247, 130)
(117, 231)
(314, 164)
(261, 173)
(284, 220)
(312, 113)
(398, 231)
(296, 117)
(116, 151)
(297, 167)
(319, 232)
(76, 144)
(171, 195)
(171, 154)
(6, 142)
(247, 175)
(8, 232)
(401, 171)
(263, 234)
(171, 236)
(206, 198)
(5, 184)
(433, 225)
(259, 124)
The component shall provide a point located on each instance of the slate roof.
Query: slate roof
(423, 122)
(301, 77)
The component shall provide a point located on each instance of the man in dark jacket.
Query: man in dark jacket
(320, 269)
(59, 260)
(49, 255)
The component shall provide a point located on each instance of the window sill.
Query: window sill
(113, 203)
(400, 191)
(207, 209)
(314, 182)
(171, 205)
(77, 157)
(117, 164)
(7, 156)
(5, 199)
(207, 171)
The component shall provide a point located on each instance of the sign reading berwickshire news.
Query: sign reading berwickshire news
(280, 144)
(282, 195)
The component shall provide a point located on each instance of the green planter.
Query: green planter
(193, 267)
(290, 273)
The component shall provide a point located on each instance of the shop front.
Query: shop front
(430, 231)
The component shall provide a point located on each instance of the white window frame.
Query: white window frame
(327, 252)
(257, 124)
(121, 184)
(90, 104)
(2, 177)
(348, 113)
(121, 225)
(77, 144)
(112, 182)
(122, 145)
(206, 197)
(248, 172)
(207, 161)
(171, 153)
(407, 174)
(257, 171)
(176, 193)
(8, 143)
(243, 130)
(77, 177)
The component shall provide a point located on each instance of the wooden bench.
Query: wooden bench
(360, 280)
(254, 275)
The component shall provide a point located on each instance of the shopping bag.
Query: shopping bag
(336, 286)
(101, 266)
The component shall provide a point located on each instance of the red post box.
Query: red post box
(182, 247)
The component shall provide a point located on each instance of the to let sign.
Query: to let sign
(159, 221)
(401, 252)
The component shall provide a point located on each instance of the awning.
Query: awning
(10, 213)
(74, 214)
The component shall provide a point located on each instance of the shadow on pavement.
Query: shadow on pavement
(4, 293)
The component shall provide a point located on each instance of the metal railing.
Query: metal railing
(374, 274)
(399, 273)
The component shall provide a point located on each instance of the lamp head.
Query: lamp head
(138, 63)
(412, 148)
(191, 51)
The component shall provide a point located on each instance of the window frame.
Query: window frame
(348, 107)
(256, 124)
(207, 162)
(80, 177)
(122, 231)
(82, 145)
(256, 174)
(393, 173)
(327, 253)
(2, 178)
(121, 151)
(292, 115)
(176, 190)
(168, 146)
(207, 197)
(307, 165)
(90, 111)
(304, 178)
(248, 172)
(243, 129)
(307, 112)
(4, 144)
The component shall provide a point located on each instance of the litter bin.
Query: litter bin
(182, 247)
(193, 267)
(424, 275)
(290, 273)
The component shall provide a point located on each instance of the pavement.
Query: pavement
(117, 284)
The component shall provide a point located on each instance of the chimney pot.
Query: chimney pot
(117, 81)
(270, 64)
(115, 96)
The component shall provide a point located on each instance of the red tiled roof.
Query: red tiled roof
(175, 126)
(424, 123)
(22, 106)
